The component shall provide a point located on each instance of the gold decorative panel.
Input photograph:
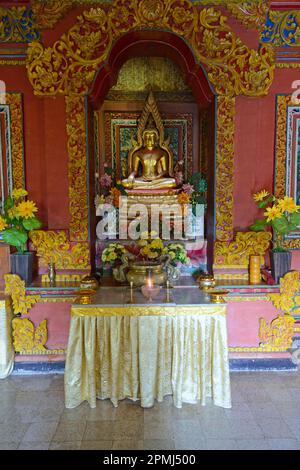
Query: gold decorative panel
(15, 287)
(69, 66)
(237, 252)
(55, 246)
(14, 100)
(27, 338)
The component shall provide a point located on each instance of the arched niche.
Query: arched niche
(156, 44)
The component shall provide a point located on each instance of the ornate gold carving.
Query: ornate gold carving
(77, 168)
(28, 339)
(55, 246)
(46, 352)
(15, 287)
(16, 25)
(225, 168)
(245, 244)
(14, 100)
(282, 28)
(249, 298)
(142, 74)
(47, 14)
(289, 285)
(62, 278)
(70, 65)
(278, 333)
(251, 13)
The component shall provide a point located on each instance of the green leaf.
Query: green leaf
(281, 225)
(259, 225)
(295, 218)
(15, 237)
(8, 203)
(32, 224)
(108, 170)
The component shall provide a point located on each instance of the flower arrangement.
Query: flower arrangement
(177, 253)
(113, 253)
(282, 215)
(149, 248)
(109, 192)
(18, 219)
(194, 191)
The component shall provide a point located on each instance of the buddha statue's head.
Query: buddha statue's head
(150, 138)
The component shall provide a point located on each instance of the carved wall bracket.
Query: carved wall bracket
(15, 287)
(27, 338)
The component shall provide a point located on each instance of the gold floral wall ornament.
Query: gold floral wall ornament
(279, 333)
(14, 100)
(225, 168)
(48, 13)
(15, 287)
(78, 196)
(27, 338)
(282, 28)
(17, 25)
(55, 246)
(251, 13)
(237, 252)
(70, 65)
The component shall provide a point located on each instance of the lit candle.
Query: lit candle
(149, 283)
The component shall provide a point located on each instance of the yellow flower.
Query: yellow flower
(261, 195)
(157, 243)
(272, 213)
(18, 193)
(183, 198)
(288, 204)
(12, 213)
(152, 255)
(26, 209)
(3, 223)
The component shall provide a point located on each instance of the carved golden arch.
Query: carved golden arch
(70, 65)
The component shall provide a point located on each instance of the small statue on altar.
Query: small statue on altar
(150, 154)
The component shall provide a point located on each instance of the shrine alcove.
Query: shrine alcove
(161, 63)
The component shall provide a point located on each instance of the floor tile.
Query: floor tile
(284, 444)
(221, 444)
(24, 445)
(43, 431)
(128, 445)
(13, 431)
(96, 445)
(9, 445)
(70, 431)
(253, 444)
(99, 431)
(274, 428)
(76, 445)
(128, 429)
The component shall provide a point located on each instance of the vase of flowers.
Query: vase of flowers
(16, 221)
(282, 215)
(147, 257)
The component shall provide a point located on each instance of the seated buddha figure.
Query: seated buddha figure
(155, 163)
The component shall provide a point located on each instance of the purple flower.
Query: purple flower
(188, 188)
(105, 181)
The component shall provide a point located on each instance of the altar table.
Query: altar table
(145, 351)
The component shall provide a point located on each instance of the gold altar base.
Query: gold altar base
(139, 272)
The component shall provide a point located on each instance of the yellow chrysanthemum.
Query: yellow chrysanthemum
(153, 255)
(272, 213)
(3, 223)
(260, 195)
(288, 204)
(157, 244)
(26, 209)
(184, 198)
(18, 193)
(12, 213)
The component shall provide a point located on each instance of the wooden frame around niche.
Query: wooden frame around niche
(120, 108)
(287, 115)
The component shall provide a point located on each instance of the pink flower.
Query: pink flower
(178, 178)
(188, 188)
(105, 181)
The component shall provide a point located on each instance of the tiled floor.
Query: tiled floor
(265, 415)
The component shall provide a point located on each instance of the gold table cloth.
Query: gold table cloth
(7, 354)
(145, 353)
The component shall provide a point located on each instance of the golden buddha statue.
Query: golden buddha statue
(156, 164)
(150, 161)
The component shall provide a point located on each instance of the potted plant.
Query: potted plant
(16, 221)
(283, 216)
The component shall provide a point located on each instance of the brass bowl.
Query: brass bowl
(89, 282)
(85, 296)
(217, 296)
(206, 282)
